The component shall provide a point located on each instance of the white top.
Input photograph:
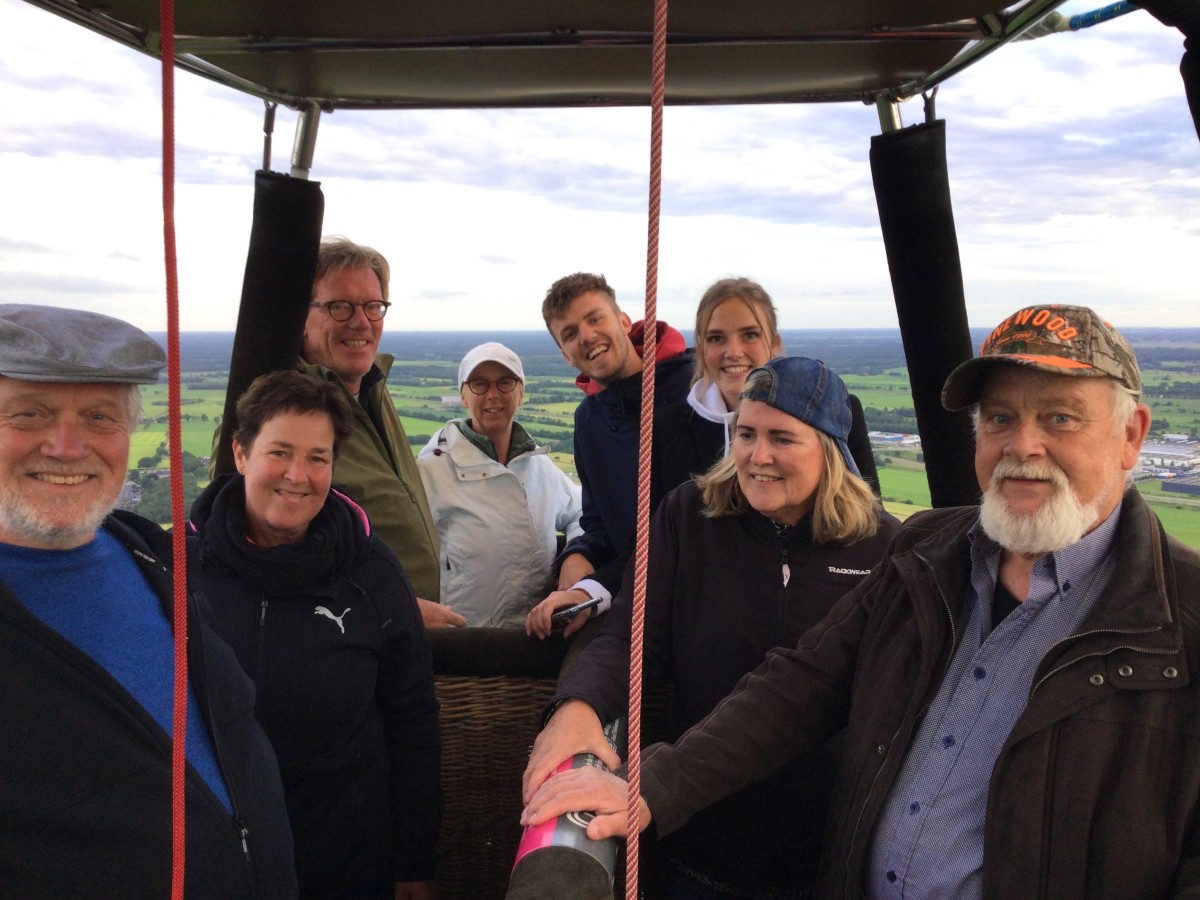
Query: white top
(708, 402)
(496, 524)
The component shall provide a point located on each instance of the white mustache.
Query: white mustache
(1045, 471)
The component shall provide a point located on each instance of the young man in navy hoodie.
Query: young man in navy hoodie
(600, 341)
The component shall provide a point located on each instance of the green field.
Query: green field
(550, 420)
(906, 488)
(204, 405)
(1180, 514)
(887, 391)
(906, 492)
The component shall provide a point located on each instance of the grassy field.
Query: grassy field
(903, 482)
(1181, 415)
(204, 406)
(891, 391)
(1180, 514)
(887, 391)
(905, 487)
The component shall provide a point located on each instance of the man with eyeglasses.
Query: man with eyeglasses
(498, 500)
(376, 466)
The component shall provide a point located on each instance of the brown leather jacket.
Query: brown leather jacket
(1097, 790)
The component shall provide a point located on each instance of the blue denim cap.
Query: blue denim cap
(810, 391)
(49, 343)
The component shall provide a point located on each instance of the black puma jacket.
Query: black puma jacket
(330, 633)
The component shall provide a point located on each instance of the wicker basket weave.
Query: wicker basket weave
(492, 684)
(489, 721)
(488, 727)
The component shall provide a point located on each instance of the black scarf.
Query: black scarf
(336, 541)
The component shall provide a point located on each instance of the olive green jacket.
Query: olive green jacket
(385, 481)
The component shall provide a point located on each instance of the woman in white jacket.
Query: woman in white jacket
(498, 501)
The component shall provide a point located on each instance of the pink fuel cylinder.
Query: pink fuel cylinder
(557, 859)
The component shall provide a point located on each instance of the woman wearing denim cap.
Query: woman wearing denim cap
(743, 561)
(498, 500)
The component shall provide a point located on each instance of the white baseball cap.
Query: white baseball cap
(489, 352)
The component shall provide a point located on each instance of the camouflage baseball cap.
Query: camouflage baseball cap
(1061, 340)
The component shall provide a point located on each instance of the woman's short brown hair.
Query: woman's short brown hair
(289, 391)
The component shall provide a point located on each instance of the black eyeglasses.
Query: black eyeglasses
(343, 310)
(505, 385)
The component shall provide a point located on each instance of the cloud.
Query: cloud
(24, 248)
(1072, 159)
(42, 285)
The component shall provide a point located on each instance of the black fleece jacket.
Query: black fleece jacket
(330, 633)
(716, 602)
(607, 433)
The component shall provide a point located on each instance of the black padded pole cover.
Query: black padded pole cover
(276, 289)
(912, 190)
(859, 442)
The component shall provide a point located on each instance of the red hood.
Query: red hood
(670, 343)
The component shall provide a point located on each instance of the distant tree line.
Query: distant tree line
(902, 420)
(155, 483)
(1176, 390)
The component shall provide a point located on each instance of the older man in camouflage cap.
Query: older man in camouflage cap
(87, 655)
(1017, 681)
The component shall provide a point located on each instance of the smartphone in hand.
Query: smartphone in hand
(567, 613)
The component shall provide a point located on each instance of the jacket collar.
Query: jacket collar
(1135, 600)
(378, 372)
(669, 343)
(467, 455)
(1137, 595)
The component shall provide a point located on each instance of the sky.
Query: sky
(1074, 171)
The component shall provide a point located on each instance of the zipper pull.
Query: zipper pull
(243, 834)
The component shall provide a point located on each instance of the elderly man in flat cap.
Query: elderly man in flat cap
(86, 652)
(1019, 682)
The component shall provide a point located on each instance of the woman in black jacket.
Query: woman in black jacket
(745, 560)
(322, 617)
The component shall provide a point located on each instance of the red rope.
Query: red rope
(174, 444)
(658, 90)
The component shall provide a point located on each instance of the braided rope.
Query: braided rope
(175, 444)
(645, 444)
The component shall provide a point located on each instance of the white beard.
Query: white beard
(19, 517)
(1059, 522)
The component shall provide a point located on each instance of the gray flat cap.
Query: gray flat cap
(48, 343)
